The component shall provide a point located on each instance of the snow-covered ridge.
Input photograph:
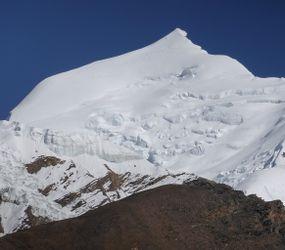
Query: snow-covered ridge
(145, 118)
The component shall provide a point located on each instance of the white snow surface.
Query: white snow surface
(167, 108)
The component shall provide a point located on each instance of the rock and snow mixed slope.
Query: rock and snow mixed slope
(48, 175)
(149, 117)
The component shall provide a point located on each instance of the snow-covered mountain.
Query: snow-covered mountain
(154, 116)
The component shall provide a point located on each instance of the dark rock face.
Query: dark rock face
(1, 227)
(197, 215)
(42, 162)
(31, 220)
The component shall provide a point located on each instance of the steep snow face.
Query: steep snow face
(169, 56)
(152, 116)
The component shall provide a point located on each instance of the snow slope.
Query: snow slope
(167, 110)
(170, 55)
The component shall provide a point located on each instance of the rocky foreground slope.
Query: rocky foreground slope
(196, 215)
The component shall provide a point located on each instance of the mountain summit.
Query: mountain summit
(170, 55)
(163, 114)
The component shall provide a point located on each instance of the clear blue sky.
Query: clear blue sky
(42, 38)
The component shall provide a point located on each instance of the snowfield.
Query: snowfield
(153, 116)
